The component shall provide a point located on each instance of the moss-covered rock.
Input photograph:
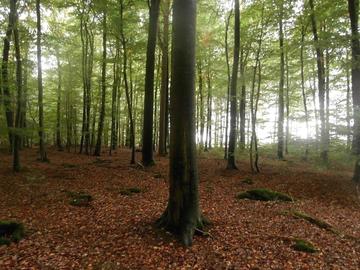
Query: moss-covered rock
(11, 231)
(304, 246)
(130, 191)
(79, 199)
(264, 195)
(315, 221)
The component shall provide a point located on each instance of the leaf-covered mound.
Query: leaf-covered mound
(11, 231)
(264, 195)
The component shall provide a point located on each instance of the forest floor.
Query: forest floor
(117, 230)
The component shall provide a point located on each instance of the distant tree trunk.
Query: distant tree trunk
(148, 128)
(58, 105)
(227, 24)
(233, 104)
(209, 111)
(5, 72)
(182, 215)
(201, 105)
(114, 100)
(355, 72)
(127, 90)
(19, 105)
(43, 155)
(303, 33)
(327, 96)
(164, 91)
(280, 150)
(103, 89)
(287, 105)
(321, 85)
(242, 101)
(348, 108)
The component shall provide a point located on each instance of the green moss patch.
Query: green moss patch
(264, 195)
(315, 221)
(304, 246)
(11, 232)
(130, 191)
(69, 165)
(79, 199)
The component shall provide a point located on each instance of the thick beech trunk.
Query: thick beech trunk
(182, 215)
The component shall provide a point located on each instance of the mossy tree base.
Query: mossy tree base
(11, 232)
(264, 195)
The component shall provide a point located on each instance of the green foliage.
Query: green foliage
(264, 195)
(304, 246)
(11, 231)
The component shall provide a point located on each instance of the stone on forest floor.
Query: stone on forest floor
(130, 191)
(304, 246)
(11, 231)
(264, 195)
(79, 198)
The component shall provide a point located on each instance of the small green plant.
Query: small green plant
(11, 232)
(79, 199)
(247, 181)
(69, 165)
(130, 191)
(304, 246)
(264, 195)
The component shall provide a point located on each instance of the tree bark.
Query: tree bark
(321, 84)
(233, 104)
(164, 91)
(227, 24)
(182, 215)
(280, 149)
(148, 129)
(5, 72)
(103, 88)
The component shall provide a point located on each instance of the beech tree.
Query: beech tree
(182, 215)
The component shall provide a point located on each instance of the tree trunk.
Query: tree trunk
(321, 85)
(127, 90)
(233, 104)
(182, 215)
(148, 129)
(280, 150)
(103, 90)
(5, 72)
(164, 91)
(242, 101)
(58, 105)
(227, 24)
(43, 155)
(303, 32)
(355, 72)
(19, 105)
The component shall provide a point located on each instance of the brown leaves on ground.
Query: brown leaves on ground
(117, 232)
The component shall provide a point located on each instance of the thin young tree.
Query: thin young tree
(321, 83)
(103, 85)
(164, 90)
(147, 146)
(233, 104)
(182, 215)
(280, 148)
(42, 149)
